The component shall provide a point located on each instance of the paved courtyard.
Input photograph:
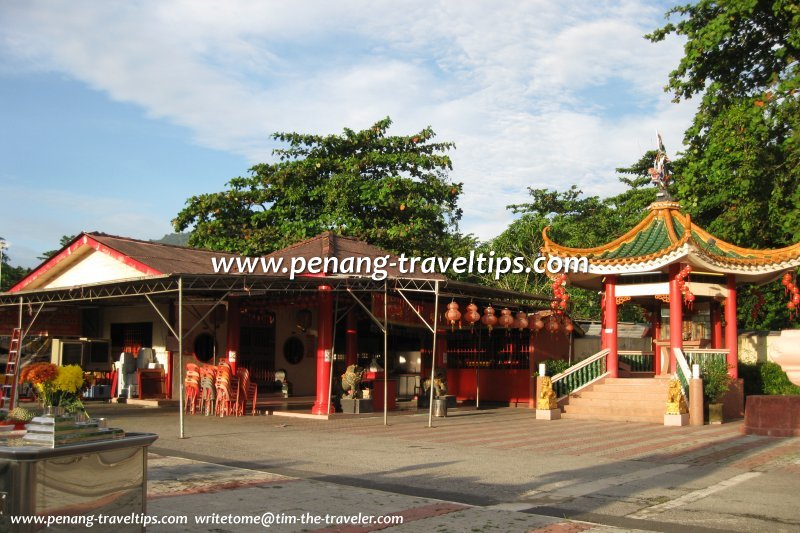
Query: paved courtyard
(487, 470)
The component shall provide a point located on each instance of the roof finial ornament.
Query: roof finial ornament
(659, 174)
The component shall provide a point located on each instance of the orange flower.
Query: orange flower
(39, 373)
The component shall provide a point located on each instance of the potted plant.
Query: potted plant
(716, 382)
(19, 416)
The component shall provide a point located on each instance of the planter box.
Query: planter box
(356, 406)
(772, 416)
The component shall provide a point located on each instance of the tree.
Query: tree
(575, 221)
(65, 240)
(10, 275)
(740, 173)
(392, 191)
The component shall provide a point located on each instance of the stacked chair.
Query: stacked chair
(247, 390)
(191, 388)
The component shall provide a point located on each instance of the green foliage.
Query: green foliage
(555, 366)
(716, 380)
(63, 241)
(10, 275)
(575, 221)
(391, 191)
(766, 378)
(740, 176)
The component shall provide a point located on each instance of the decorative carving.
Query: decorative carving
(663, 297)
(659, 174)
(623, 299)
(547, 398)
(351, 381)
(676, 403)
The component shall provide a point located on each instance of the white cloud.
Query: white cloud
(511, 83)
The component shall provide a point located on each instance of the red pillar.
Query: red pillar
(716, 326)
(675, 315)
(610, 327)
(351, 338)
(324, 349)
(232, 341)
(731, 332)
(655, 327)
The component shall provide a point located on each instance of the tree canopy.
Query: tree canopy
(577, 221)
(739, 176)
(392, 191)
(740, 173)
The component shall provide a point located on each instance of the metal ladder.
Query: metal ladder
(8, 390)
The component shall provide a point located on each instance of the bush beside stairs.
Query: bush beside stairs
(640, 399)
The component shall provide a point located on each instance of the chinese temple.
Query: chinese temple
(684, 278)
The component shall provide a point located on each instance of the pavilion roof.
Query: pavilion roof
(665, 236)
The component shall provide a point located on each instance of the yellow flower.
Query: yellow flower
(69, 379)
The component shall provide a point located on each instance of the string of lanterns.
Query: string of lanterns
(682, 279)
(791, 289)
(521, 320)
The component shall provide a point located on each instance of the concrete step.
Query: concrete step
(616, 418)
(617, 397)
(614, 410)
(621, 399)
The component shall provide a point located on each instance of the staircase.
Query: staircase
(641, 399)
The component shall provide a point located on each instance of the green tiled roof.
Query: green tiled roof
(712, 247)
(652, 239)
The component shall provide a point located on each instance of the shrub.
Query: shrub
(716, 380)
(775, 381)
(556, 366)
(766, 378)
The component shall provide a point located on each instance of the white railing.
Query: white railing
(581, 375)
(683, 372)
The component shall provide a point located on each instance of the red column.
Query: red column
(324, 349)
(675, 315)
(655, 326)
(716, 326)
(610, 327)
(232, 341)
(351, 338)
(731, 332)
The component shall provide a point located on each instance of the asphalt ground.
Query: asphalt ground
(475, 470)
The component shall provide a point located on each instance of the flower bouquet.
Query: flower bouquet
(57, 388)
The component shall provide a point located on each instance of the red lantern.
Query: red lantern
(796, 299)
(791, 305)
(506, 320)
(552, 324)
(472, 315)
(452, 315)
(488, 319)
(537, 324)
(569, 327)
(522, 320)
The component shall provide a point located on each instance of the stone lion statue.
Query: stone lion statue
(351, 382)
(547, 397)
(676, 403)
(439, 386)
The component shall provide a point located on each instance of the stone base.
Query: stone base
(548, 414)
(676, 420)
(356, 406)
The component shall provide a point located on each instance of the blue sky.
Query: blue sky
(113, 114)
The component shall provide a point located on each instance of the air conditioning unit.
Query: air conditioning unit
(89, 354)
